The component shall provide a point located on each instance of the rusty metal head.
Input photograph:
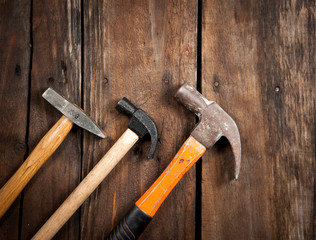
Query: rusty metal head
(213, 124)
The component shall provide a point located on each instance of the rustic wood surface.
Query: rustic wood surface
(56, 62)
(14, 74)
(40, 154)
(258, 63)
(255, 58)
(144, 51)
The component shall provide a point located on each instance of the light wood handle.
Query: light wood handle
(44, 149)
(87, 186)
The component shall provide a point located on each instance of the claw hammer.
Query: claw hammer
(139, 125)
(214, 123)
(47, 146)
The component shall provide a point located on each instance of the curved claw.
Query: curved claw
(215, 123)
(234, 139)
(152, 130)
(140, 122)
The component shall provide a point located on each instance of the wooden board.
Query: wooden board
(255, 58)
(14, 80)
(56, 62)
(141, 50)
(258, 63)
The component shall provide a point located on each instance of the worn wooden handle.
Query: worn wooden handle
(44, 149)
(87, 186)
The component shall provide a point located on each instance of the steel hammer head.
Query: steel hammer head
(140, 122)
(213, 123)
(72, 112)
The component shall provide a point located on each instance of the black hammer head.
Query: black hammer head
(140, 122)
(214, 122)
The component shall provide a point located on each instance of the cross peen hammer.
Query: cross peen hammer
(47, 146)
(139, 125)
(214, 123)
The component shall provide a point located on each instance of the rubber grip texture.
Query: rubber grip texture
(131, 227)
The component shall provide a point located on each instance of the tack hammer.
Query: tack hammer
(214, 123)
(139, 125)
(47, 146)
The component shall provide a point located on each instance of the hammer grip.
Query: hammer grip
(145, 208)
(131, 226)
(187, 155)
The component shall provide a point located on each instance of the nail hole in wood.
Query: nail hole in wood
(17, 70)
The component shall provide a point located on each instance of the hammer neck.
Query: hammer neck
(188, 154)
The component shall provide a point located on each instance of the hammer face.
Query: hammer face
(192, 99)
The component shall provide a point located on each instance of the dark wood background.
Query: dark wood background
(254, 58)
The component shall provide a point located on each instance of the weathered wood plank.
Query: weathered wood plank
(142, 50)
(56, 62)
(258, 63)
(14, 75)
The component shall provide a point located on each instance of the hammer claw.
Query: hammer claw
(214, 122)
(234, 140)
(140, 122)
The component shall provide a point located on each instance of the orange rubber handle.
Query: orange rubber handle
(188, 154)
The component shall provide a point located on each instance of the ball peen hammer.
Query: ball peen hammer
(47, 146)
(139, 125)
(214, 123)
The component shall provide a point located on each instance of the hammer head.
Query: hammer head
(72, 112)
(140, 122)
(213, 123)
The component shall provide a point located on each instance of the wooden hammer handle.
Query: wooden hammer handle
(88, 185)
(44, 149)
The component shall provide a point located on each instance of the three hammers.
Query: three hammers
(214, 123)
(139, 125)
(47, 146)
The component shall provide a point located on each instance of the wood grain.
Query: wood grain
(43, 150)
(14, 80)
(87, 185)
(56, 62)
(142, 50)
(258, 63)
